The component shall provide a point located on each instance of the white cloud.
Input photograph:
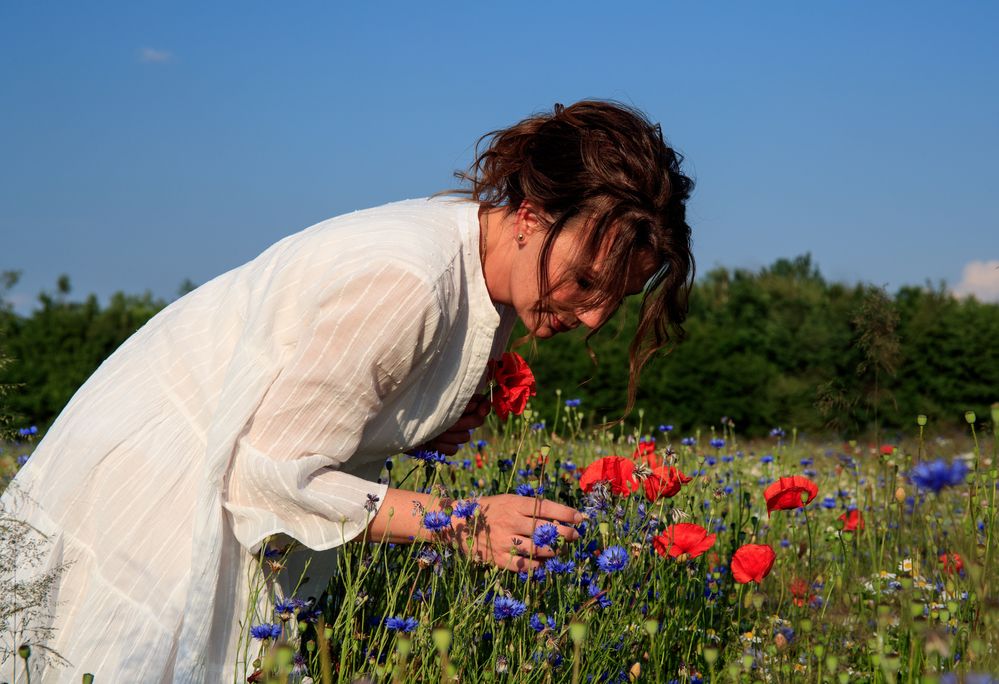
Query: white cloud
(153, 56)
(980, 278)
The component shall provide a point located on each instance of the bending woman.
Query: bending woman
(266, 401)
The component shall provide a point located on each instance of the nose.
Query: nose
(596, 316)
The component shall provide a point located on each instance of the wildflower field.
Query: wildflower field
(702, 557)
(776, 561)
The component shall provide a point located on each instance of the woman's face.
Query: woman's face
(566, 257)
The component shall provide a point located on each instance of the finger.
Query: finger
(444, 447)
(555, 511)
(475, 403)
(456, 437)
(467, 422)
(524, 546)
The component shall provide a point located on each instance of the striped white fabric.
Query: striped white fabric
(265, 402)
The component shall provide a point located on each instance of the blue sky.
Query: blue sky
(148, 142)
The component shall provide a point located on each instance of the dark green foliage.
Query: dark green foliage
(764, 348)
(769, 348)
(55, 350)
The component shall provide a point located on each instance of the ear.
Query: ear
(530, 219)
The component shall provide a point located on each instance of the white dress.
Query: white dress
(264, 402)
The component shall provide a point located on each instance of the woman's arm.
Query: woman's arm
(501, 531)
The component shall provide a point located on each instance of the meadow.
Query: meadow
(881, 577)
(785, 559)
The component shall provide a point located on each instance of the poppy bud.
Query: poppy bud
(780, 641)
(24, 651)
(900, 495)
(969, 416)
(921, 420)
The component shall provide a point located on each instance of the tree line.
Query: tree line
(780, 346)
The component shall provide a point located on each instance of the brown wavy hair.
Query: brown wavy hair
(606, 163)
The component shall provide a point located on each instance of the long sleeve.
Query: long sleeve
(372, 330)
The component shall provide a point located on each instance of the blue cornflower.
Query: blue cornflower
(429, 456)
(828, 502)
(466, 464)
(665, 428)
(546, 535)
(785, 543)
(28, 431)
(766, 458)
(537, 574)
(481, 444)
(435, 521)
(805, 462)
(538, 623)
(285, 608)
(728, 489)
(777, 432)
(601, 596)
(265, 631)
(556, 566)
(569, 465)
(397, 624)
(524, 489)
(612, 559)
(687, 441)
(465, 509)
(537, 427)
(717, 442)
(727, 458)
(710, 460)
(573, 403)
(935, 475)
(22, 459)
(505, 607)
(504, 464)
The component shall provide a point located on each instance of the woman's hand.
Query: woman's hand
(502, 532)
(449, 441)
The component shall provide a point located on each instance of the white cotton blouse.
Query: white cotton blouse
(264, 402)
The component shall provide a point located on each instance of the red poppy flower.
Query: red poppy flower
(799, 592)
(952, 563)
(665, 482)
(646, 452)
(683, 539)
(887, 449)
(618, 471)
(852, 520)
(785, 493)
(514, 384)
(752, 562)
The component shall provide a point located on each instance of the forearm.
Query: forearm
(396, 520)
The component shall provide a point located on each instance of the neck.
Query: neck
(494, 252)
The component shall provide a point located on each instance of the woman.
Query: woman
(266, 401)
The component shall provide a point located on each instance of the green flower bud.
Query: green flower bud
(921, 420)
(24, 651)
(970, 417)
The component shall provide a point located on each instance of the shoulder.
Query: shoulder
(424, 236)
